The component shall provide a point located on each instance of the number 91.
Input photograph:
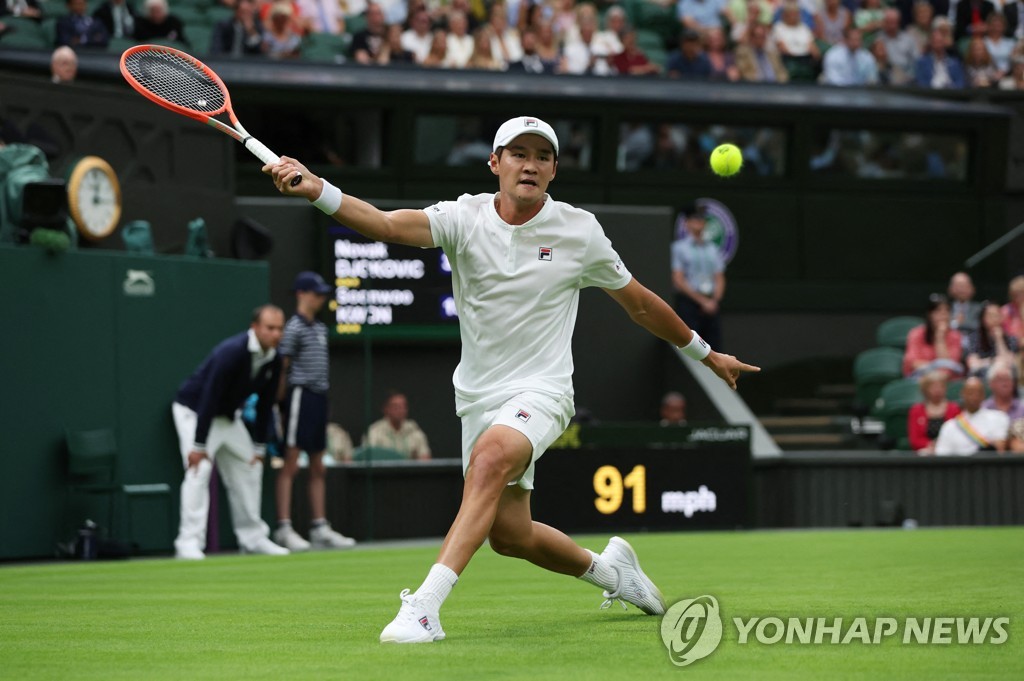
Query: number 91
(610, 485)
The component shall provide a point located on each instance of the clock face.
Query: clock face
(94, 197)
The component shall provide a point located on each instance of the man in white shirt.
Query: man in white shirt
(396, 431)
(976, 428)
(519, 259)
(459, 42)
(848, 63)
(419, 37)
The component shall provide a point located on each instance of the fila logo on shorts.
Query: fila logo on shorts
(545, 253)
(523, 416)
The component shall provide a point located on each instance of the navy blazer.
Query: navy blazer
(222, 383)
(925, 69)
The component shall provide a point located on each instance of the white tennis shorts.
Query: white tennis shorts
(541, 417)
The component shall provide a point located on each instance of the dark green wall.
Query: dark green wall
(78, 353)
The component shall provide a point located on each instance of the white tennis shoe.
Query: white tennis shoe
(290, 539)
(634, 586)
(413, 624)
(324, 537)
(265, 547)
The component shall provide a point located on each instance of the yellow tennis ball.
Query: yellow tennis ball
(726, 160)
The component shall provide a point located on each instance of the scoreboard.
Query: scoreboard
(385, 289)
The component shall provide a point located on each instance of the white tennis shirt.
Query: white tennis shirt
(517, 290)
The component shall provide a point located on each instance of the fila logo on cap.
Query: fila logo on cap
(523, 416)
(530, 122)
(545, 253)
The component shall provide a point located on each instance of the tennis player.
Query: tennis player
(519, 259)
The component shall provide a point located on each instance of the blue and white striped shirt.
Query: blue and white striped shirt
(304, 343)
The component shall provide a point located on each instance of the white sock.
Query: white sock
(601, 573)
(318, 522)
(284, 523)
(436, 587)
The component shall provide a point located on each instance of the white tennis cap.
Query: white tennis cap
(524, 125)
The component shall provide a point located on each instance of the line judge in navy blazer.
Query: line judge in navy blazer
(207, 416)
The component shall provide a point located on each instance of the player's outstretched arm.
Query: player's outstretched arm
(651, 312)
(409, 227)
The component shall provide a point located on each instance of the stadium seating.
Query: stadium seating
(324, 47)
(872, 370)
(92, 469)
(893, 332)
(892, 407)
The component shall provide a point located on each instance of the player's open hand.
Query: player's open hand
(727, 367)
(286, 170)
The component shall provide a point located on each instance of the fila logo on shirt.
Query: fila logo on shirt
(523, 416)
(545, 253)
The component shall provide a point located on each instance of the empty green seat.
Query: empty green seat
(893, 332)
(873, 369)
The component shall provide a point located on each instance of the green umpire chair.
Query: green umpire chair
(892, 333)
(92, 470)
(893, 406)
(872, 370)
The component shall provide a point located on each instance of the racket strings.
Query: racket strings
(176, 80)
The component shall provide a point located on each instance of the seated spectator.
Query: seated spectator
(632, 61)
(979, 69)
(394, 50)
(158, 23)
(990, 343)
(868, 18)
(505, 44)
(265, 6)
(920, 28)
(795, 43)
(585, 55)
(1013, 311)
(531, 61)
(970, 16)
(321, 16)
(459, 46)
(849, 64)
(698, 15)
(964, 310)
(689, 61)
(1005, 396)
(742, 14)
(756, 61)
(900, 46)
(831, 21)
(723, 64)
(1013, 11)
(77, 29)
(438, 50)
(937, 69)
(280, 40)
(926, 418)
(418, 37)
(934, 345)
(63, 65)
(1015, 79)
(118, 17)
(396, 431)
(975, 429)
(240, 35)
(29, 9)
(547, 46)
(998, 45)
(563, 22)
(369, 45)
(483, 57)
(673, 409)
(615, 26)
(339, 445)
(887, 73)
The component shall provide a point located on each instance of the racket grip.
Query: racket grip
(260, 151)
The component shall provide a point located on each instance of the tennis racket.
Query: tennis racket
(181, 83)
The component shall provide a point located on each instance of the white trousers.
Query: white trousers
(228, 443)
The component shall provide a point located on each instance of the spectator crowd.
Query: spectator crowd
(975, 344)
(937, 44)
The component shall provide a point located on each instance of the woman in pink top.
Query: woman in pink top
(934, 345)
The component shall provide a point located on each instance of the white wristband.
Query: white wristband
(329, 200)
(697, 348)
